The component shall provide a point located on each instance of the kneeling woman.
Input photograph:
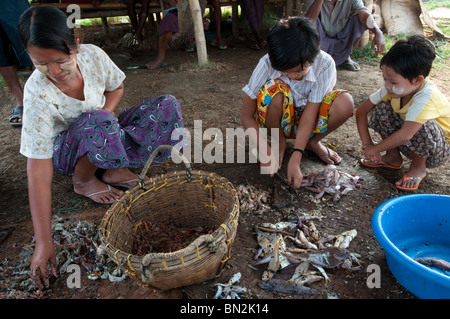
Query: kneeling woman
(69, 124)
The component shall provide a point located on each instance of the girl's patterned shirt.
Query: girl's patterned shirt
(314, 86)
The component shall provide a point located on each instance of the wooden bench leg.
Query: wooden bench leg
(235, 20)
(105, 26)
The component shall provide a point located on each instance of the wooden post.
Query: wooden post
(299, 7)
(235, 20)
(105, 26)
(289, 8)
(200, 41)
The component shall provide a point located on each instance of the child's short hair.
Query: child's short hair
(292, 42)
(410, 57)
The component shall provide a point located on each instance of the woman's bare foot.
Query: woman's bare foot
(97, 191)
(324, 153)
(155, 64)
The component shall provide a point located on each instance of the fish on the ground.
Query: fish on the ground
(332, 181)
(230, 290)
(343, 239)
(329, 257)
(268, 242)
(287, 287)
(252, 200)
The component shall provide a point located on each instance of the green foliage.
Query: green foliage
(2, 82)
(442, 51)
(98, 21)
(433, 4)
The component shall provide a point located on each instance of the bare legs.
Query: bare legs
(163, 45)
(217, 19)
(273, 120)
(9, 74)
(138, 22)
(416, 172)
(341, 111)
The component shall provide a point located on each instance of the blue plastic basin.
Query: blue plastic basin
(414, 226)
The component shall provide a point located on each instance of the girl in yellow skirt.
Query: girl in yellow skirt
(292, 90)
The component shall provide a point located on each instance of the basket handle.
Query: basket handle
(156, 151)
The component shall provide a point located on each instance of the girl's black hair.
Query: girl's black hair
(292, 42)
(410, 57)
(46, 27)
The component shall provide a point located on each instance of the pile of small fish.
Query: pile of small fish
(252, 200)
(292, 249)
(159, 237)
(76, 242)
(230, 290)
(332, 181)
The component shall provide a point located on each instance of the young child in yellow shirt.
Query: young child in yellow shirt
(411, 115)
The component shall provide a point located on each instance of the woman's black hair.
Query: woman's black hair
(46, 27)
(410, 57)
(292, 42)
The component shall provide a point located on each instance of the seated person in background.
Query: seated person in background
(12, 49)
(411, 115)
(137, 21)
(217, 42)
(340, 24)
(169, 27)
(253, 11)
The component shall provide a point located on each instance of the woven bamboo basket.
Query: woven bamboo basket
(188, 198)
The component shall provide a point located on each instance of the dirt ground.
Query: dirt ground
(213, 95)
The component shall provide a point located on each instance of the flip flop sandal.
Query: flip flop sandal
(406, 178)
(190, 48)
(127, 184)
(380, 164)
(352, 66)
(16, 113)
(101, 192)
(134, 66)
(220, 46)
(255, 46)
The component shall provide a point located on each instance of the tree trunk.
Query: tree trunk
(401, 17)
(200, 41)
